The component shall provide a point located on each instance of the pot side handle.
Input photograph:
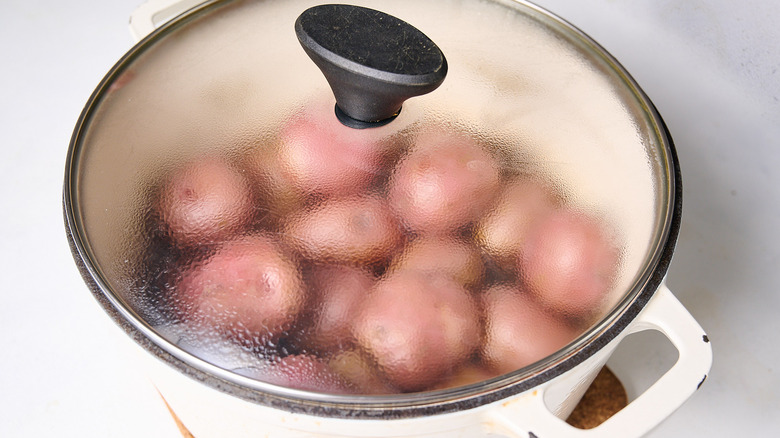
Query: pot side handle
(663, 313)
(153, 13)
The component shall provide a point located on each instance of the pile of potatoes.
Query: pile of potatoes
(353, 261)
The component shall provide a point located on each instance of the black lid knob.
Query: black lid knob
(372, 61)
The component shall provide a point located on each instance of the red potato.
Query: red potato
(448, 256)
(304, 372)
(520, 206)
(519, 332)
(357, 229)
(279, 198)
(419, 327)
(338, 293)
(354, 367)
(466, 375)
(446, 181)
(320, 155)
(249, 290)
(204, 202)
(125, 78)
(569, 263)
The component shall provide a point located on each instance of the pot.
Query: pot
(528, 101)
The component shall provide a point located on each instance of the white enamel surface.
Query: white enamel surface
(708, 67)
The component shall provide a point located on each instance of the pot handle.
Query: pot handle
(530, 417)
(153, 13)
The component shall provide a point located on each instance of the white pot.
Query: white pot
(529, 403)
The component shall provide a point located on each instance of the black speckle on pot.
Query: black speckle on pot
(532, 435)
(702, 380)
(706, 339)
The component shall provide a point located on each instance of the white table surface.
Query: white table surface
(710, 67)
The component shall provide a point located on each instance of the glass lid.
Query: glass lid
(492, 228)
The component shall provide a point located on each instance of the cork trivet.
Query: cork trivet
(605, 397)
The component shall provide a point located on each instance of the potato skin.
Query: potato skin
(468, 374)
(249, 290)
(358, 229)
(337, 292)
(569, 263)
(204, 202)
(519, 207)
(446, 181)
(304, 372)
(419, 327)
(353, 366)
(319, 155)
(448, 256)
(518, 331)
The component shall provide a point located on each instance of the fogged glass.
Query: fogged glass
(491, 224)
